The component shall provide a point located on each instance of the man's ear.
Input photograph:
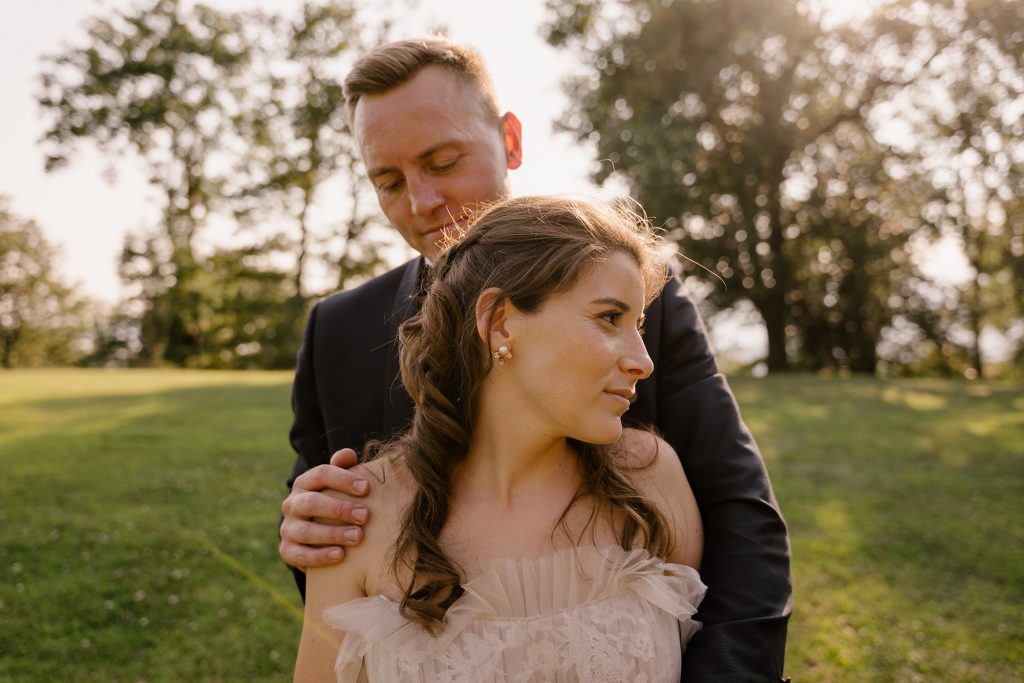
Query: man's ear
(493, 310)
(512, 134)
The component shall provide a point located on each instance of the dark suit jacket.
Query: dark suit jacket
(347, 391)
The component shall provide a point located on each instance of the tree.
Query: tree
(302, 142)
(232, 113)
(969, 108)
(244, 307)
(160, 82)
(735, 123)
(41, 321)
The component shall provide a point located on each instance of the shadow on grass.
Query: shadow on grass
(904, 501)
(140, 532)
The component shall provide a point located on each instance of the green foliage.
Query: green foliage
(237, 116)
(160, 82)
(757, 134)
(232, 311)
(138, 541)
(975, 163)
(41, 321)
(301, 141)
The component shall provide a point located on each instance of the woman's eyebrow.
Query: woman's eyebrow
(612, 301)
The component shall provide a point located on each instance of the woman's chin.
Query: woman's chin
(603, 436)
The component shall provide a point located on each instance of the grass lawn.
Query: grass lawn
(138, 514)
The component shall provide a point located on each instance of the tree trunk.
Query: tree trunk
(775, 322)
(974, 317)
(10, 338)
(300, 266)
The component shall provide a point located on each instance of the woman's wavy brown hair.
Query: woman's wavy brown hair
(530, 248)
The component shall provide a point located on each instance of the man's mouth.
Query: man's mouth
(438, 233)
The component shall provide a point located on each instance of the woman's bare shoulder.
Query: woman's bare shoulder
(389, 477)
(643, 450)
(391, 489)
(653, 467)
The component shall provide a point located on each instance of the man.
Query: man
(427, 124)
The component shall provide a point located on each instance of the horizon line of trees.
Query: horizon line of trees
(803, 165)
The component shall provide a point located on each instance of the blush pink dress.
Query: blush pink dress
(579, 614)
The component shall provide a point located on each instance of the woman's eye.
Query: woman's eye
(612, 317)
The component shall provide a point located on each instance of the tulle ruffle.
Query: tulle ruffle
(516, 600)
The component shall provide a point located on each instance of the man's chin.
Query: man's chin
(431, 252)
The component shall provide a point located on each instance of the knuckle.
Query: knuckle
(287, 532)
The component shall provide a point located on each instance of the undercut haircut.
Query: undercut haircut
(390, 65)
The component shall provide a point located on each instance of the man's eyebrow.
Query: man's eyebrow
(422, 156)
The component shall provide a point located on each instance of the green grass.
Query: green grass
(904, 504)
(138, 512)
(129, 502)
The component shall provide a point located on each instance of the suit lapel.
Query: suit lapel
(398, 408)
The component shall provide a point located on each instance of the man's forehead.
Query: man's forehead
(389, 146)
(387, 143)
(434, 97)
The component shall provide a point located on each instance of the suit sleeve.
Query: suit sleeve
(746, 549)
(307, 431)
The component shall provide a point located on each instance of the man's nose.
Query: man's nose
(424, 196)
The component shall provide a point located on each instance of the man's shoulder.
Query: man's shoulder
(673, 289)
(673, 317)
(381, 289)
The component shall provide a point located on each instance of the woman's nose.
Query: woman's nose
(636, 361)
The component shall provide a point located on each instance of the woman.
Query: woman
(521, 362)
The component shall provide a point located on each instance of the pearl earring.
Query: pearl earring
(502, 355)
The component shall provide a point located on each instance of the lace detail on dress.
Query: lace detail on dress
(580, 614)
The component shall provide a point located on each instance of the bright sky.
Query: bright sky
(88, 217)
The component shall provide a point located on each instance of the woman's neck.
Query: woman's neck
(508, 461)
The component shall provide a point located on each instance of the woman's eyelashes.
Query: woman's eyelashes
(612, 317)
(615, 317)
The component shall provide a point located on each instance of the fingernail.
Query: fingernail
(359, 515)
(360, 486)
(334, 555)
(353, 534)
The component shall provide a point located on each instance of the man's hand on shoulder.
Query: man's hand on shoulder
(321, 516)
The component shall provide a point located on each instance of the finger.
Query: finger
(346, 458)
(313, 533)
(324, 505)
(324, 477)
(303, 556)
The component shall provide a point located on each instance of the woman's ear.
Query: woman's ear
(493, 310)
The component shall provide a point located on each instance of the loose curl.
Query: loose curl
(530, 248)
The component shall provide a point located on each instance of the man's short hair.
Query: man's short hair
(389, 66)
